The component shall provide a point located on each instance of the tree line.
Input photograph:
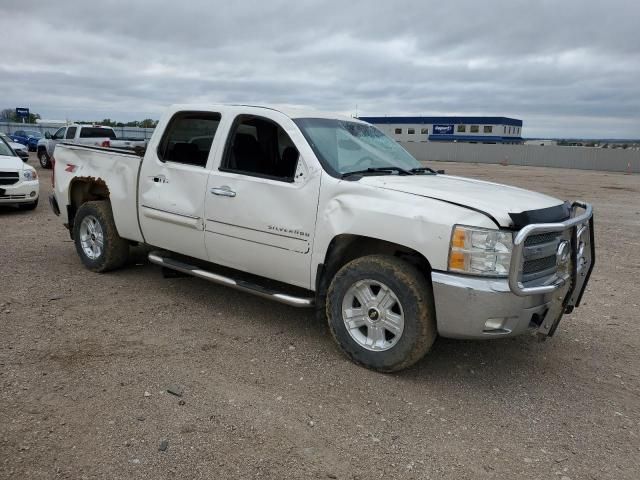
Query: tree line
(9, 115)
(107, 122)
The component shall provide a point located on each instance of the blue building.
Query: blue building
(450, 129)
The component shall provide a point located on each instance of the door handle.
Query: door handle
(159, 179)
(223, 191)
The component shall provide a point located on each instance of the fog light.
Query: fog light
(32, 194)
(494, 324)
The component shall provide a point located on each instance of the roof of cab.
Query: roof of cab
(291, 112)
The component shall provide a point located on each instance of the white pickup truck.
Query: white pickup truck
(311, 209)
(96, 135)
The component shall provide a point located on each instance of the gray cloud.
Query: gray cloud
(567, 68)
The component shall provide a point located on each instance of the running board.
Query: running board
(158, 259)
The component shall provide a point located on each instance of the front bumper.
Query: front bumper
(21, 192)
(474, 307)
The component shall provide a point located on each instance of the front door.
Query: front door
(173, 182)
(261, 203)
(55, 139)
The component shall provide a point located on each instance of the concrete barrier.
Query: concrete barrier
(581, 158)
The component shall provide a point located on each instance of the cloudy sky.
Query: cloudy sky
(566, 67)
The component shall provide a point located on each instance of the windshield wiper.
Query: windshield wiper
(423, 170)
(398, 170)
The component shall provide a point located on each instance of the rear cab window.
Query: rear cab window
(97, 132)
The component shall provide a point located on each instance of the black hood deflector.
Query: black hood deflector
(559, 213)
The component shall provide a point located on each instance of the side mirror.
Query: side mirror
(25, 159)
(47, 135)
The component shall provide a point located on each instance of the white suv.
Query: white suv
(18, 181)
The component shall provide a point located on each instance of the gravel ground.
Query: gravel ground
(86, 361)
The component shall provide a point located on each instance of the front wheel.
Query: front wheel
(380, 311)
(97, 241)
(43, 158)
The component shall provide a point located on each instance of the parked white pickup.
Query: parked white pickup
(315, 209)
(94, 135)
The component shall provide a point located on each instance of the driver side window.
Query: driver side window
(59, 135)
(259, 147)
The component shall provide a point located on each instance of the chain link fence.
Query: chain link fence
(121, 132)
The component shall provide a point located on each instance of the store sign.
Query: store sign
(22, 112)
(443, 129)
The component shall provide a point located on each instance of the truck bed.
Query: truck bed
(118, 169)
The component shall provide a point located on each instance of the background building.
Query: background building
(450, 129)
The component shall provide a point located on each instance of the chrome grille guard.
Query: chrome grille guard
(582, 253)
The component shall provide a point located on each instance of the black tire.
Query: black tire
(415, 296)
(43, 158)
(115, 250)
(28, 206)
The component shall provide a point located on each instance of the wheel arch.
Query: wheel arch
(344, 248)
(82, 190)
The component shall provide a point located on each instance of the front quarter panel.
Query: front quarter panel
(419, 223)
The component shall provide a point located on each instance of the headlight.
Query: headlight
(480, 251)
(30, 175)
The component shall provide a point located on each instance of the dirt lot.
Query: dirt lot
(86, 360)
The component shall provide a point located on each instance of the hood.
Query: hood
(11, 164)
(493, 199)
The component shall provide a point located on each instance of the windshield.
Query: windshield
(32, 133)
(344, 146)
(5, 149)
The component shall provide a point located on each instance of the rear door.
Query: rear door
(173, 182)
(261, 202)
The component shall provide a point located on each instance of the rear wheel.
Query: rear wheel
(43, 158)
(97, 241)
(380, 311)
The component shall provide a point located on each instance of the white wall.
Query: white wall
(582, 158)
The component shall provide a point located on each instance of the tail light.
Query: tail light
(106, 144)
(53, 172)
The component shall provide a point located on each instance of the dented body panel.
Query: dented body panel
(108, 170)
(423, 224)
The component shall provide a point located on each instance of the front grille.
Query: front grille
(538, 265)
(12, 197)
(540, 256)
(8, 178)
(541, 238)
